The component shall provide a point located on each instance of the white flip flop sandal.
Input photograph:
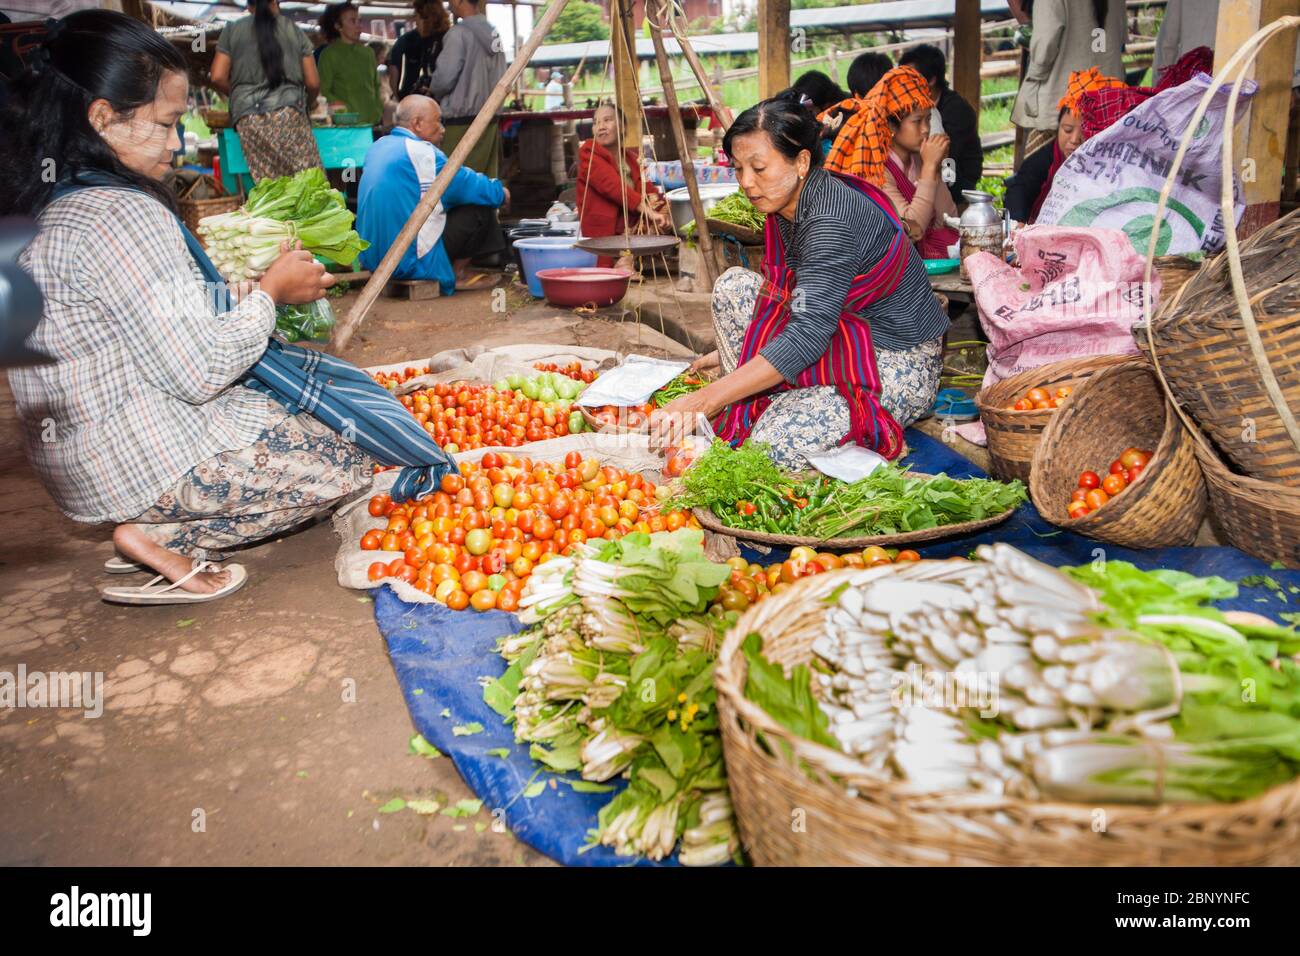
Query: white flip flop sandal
(118, 565)
(171, 592)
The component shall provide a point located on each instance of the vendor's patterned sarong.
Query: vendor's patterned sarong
(279, 143)
(299, 469)
(810, 421)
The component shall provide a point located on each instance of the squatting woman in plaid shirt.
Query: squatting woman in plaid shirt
(139, 420)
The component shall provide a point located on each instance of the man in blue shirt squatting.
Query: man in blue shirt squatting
(398, 169)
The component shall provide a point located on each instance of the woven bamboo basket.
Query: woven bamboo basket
(1249, 358)
(192, 210)
(794, 808)
(1118, 407)
(1175, 272)
(215, 119)
(1013, 436)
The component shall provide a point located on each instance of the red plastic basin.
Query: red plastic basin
(589, 285)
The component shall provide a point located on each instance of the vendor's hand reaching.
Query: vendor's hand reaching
(670, 425)
(934, 151)
(707, 363)
(652, 214)
(295, 277)
(505, 203)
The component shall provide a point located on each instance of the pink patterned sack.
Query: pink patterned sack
(1077, 292)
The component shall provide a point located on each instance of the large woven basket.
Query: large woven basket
(1116, 408)
(1248, 355)
(1175, 272)
(1013, 436)
(794, 807)
(193, 209)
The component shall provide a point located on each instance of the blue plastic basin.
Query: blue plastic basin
(549, 252)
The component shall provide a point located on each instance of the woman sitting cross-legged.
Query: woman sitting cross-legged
(841, 338)
(140, 420)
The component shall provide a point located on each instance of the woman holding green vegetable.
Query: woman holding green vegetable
(841, 338)
(139, 420)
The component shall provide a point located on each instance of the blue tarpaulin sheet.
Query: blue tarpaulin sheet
(440, 657)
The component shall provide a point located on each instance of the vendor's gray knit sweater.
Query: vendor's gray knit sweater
(469, 66)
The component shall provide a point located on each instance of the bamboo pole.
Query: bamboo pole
(429, 201)
(721, 113)
(679, 135)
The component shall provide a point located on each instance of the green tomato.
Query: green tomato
(503, 494)
(514, 381)
(547, 394)
(529, 388)
(577, 423)
(566, 389)
(501, 385)
(451, 448)
(496, 582)
(478, 541)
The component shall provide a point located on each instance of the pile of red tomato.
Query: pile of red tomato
(752, 583)
(474, 542)
(631, 417)
(573, 370)
(463, 416)
(390, 380)
(1041, 398)
(1094, 491)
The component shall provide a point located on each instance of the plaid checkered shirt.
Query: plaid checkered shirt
(142, 387)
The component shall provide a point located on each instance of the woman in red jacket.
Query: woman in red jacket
(612, 200)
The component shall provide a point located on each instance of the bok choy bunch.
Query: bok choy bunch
(614, 677)
(302, 207)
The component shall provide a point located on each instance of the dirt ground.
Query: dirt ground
(225, 736)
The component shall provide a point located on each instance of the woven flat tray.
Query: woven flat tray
(636, 245)
(710, 522)
(743, 234)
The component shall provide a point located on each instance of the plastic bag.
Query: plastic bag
(313, 321)
(1114, 179)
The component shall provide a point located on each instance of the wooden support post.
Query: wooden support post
(433, 195)
(967, 52)
(833, 66)
(679, 135)
(1260, 145)
(773, 47)
(627, 86)
(514, 47)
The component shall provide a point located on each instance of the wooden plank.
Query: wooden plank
(968, 49)
(773, 47)
(433, 195)
(415, 290)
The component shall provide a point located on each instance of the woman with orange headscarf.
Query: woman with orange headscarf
(887, 142)
(1027, 189)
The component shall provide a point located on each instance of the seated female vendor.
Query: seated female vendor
(138, 420)
(612, 198)
(1031, 183)
(887, 142)
(841, 338)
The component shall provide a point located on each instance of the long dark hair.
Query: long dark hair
(791, 127)
(268, 44)
(45, 131)
(1100, 8)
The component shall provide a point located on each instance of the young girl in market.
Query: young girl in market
(841, 338)
(888, 143)
(139, 420)
(613, 199)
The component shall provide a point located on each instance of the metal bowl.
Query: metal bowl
(679, 201)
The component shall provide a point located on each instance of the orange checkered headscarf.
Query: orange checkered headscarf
(863, 144)
(1086, 81)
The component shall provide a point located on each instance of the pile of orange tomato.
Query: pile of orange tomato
(573, 370)
(752, 583)
(1094, 491)
(463, 416)
(629, 416)
(1041, 398)
(474, 542)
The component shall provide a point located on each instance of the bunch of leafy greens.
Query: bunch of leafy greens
(735, 209)
(1237, 732)
(724, 475)
(617, 678)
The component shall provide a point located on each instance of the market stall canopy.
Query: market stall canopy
(865, 18)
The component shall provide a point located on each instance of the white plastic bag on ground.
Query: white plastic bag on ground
(1115, 179)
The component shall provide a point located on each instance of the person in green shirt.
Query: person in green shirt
(349, 74)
